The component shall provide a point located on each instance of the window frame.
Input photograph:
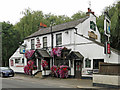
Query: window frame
(92, 25)
(86, 63)
(96, 63)
(58, 39)
(32, 44)
(44, 42)
(18, 61)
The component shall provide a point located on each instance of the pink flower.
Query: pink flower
(44, 63)
(29, 53)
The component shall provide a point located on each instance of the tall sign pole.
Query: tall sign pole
(107, 23)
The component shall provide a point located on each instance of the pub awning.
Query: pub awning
(42, 53)
(75, 55)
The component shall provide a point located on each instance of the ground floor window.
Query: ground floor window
(12, 64)
(17, 60)
(87, 63)
(96, 63)
(22, 60)
(59, 62)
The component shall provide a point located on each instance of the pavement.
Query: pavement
(85, 83)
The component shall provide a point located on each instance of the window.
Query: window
(17, 60)
(22, 60)
(92, 25)
(32, 44)
(58, 39)
(88, 63)
(96, 63)
(59, 62)
(44, 42)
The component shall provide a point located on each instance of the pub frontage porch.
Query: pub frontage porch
(59, 61)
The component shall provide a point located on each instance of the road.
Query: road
(28, 82)
(13, 83)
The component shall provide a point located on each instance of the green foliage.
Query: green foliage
(78, 15)
(100, 25)
(10, 40)
(114, 13)
(31, 21)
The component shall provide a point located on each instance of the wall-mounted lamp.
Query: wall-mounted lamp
(66, 32)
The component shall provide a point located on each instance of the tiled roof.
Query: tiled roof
(59, 27)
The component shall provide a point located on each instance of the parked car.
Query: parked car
(6, 72)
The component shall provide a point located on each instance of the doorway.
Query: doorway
(78, 69)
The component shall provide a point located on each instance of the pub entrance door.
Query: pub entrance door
(78, 69)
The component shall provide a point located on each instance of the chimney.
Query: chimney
(42, 25)
(89, 11)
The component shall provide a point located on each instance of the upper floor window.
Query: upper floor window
(32, 44)
(44, 42)
(92, 25)
(58, 39)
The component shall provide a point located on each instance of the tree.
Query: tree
(114, 13)
(78, 15)
(30, 23)
(10, 42)
(100, 25)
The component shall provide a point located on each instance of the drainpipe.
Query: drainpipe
(51, 42)
(51, 36)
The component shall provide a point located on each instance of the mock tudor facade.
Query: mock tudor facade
(81, 36)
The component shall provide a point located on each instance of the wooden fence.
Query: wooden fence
(109, 69)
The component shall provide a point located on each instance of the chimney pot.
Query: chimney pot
(89, 10)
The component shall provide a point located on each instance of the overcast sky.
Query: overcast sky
(10, 10)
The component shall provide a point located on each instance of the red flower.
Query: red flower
(64, 69)
(44, 63)
(55, 69)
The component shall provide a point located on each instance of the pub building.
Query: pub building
(77, 44)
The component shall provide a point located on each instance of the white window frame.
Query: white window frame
(44, 42)
(32, 44)
(87, 63)
(58, 39)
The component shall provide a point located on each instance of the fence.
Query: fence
(109, 69)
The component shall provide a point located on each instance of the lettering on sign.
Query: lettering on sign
(108, 48)
(38, 43)
(92, 35)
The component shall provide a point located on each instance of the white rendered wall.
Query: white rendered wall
(106, 79)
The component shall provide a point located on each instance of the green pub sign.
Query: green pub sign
(92, 25)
